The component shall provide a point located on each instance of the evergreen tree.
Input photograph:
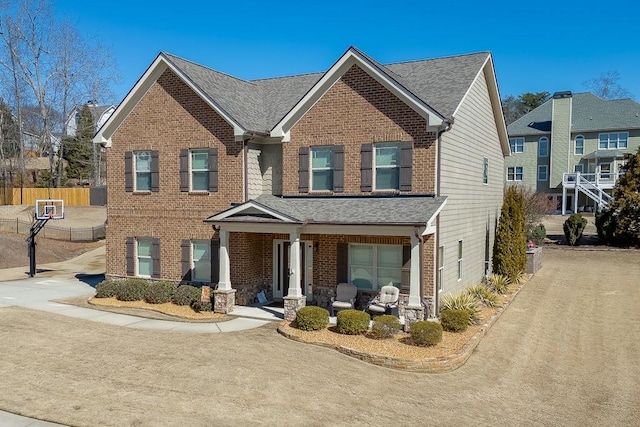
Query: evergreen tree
(78, 151)
(9, 138)
(510, 246)
(619, 224)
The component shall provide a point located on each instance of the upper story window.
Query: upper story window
(613, 141)
(485, 171)
(143, 171)
(199, 170)
(517, 145)
(578, 147)
(514, 173)
(543, 147)
(387, 167)
(543, 174)
(322, 168)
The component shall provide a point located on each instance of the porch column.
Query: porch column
(224, 297)
(575, 199)
(564, 200)
(294, 300)
(414, 312)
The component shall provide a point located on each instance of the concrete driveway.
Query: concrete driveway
(565, 352)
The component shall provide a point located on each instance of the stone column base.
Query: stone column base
(224, 300)
(412, 314)
(292, 305)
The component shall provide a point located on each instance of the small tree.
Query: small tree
(573, 228)
(619, 224)
(79, 149)
(510, 246)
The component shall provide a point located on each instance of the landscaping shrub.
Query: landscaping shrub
(385, 326)
(199, 306)
(312, 318)
(483, 295)
(352, 322)
(510, 246)
(573, 228)
(455, 320)
(462, 301)
(160, 292)
(186, 294)
(499, 283)
(132, 290)
(107, 289)
(425, 333)
(537, 234)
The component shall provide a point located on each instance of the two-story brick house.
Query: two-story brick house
(366, 173)
(573, 147)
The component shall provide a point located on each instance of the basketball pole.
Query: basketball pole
(35, 228)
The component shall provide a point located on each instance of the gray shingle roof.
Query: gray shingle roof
(395, 210)
(258, 105)
(589, 113)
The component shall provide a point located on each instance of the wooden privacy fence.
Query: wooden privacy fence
(28, 196)
(88, 234)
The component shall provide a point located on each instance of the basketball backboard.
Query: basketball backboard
(49, 209)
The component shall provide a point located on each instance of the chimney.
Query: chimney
(560, 155)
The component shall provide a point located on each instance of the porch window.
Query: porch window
(514, 173)
(542, 173)
(578, 148)
(374, 266)
(143, 171)
(144, 258)
(517, 145)
(387, 167)
(199, 162)
(543, 147)
(578, 168)
(321, 168)
(613, 141)
(201, 260)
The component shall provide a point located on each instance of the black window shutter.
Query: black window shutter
(366, 177)
(155, 256)
(213, 170)
(342, 263)
(338, 168)
(184, 169)
(406, 269)
(406, 165)
(303, 170)
(131, 271)
(155, 171)
(186, 260)
(128, 171)
(215, 261)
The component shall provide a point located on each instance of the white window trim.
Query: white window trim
(135, 171)
(546, 172)
(311, 168)
(193, 261)
(515, 174)
(546, 144)
(374, 266)
(460, 260)
(440, 283)
(374, 166)
(192, 170)
(138, 256)
(516, 143)
(617, 146)
(575, 145)
(485, 171)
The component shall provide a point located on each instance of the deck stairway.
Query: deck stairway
(594, 191)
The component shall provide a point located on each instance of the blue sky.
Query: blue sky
(537, 46)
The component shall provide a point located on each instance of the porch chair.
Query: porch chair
(386, 302)
(345, 297)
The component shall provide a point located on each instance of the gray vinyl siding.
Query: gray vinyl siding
(271, 169)
(254, 177)
(529, 160)
(471, 205)
(560, 140)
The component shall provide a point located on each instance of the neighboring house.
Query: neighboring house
(572, 148)
(366, 173)
(100, 113)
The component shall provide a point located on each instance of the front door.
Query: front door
(281, 270)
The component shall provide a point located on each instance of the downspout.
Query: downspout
(446, 126)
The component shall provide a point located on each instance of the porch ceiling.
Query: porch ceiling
(604, 154)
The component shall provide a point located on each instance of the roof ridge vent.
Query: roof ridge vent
(563, 94)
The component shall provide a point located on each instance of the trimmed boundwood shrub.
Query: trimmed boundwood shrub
(312, 318)
(132, 290)
(352, 322)
(424, 333)
(160, 292)
(107, 289)
(385, 326)
(455, 320)
(186, 294)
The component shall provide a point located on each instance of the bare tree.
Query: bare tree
(606, 86)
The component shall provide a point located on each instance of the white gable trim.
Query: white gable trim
(352, 57)
(251, 207)
(142, 86)
(431, 227)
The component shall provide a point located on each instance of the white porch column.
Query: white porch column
(224, 283)
(295, 272)
(564, 200)
(414, 278)
(575, 198)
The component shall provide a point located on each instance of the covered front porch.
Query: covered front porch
(306, 246)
